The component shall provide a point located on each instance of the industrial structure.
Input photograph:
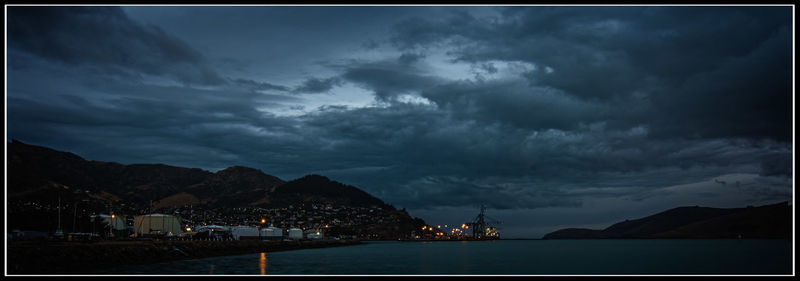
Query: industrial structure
(483, 229)
(272, 233)
(245, 233)
(295, 233)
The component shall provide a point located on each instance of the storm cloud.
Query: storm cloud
(104, 37)
(578, 112)
(317, 85)
(722, 68)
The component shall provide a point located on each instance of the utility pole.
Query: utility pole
(74, 217)
(110, 222)
(59, 233)
(150, 218)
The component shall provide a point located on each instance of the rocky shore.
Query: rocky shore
(49, 257)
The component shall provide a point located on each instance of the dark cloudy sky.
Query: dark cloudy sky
(552, 116)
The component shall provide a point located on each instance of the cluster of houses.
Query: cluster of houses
(310, 216)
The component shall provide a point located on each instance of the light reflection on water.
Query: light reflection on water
(542, 257)
(262, 263)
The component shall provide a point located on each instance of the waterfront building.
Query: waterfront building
(272, 233)
(157, 225)
(295, 233)
(245, 233)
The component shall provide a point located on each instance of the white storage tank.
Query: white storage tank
(295, 233)
(266, 232)
(273, 233)
(244, 233)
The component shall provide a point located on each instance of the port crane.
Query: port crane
(483, 228)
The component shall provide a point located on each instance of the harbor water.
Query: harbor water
(501, 257)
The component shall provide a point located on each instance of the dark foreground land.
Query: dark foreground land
(50, 257)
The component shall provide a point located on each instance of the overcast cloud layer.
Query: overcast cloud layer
(551, 116)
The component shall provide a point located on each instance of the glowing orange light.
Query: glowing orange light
(262, 264)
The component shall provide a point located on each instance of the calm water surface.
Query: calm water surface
(512, 257)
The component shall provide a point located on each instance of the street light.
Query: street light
(111, 226)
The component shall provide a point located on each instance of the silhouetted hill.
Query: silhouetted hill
(36, 171)
(664, 221)
(319, 189)
(38, 177)
(236, 185)
(770, 221)
(27, 164)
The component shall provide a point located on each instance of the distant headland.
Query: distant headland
(769, 221)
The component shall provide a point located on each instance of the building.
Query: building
(156, 225)
(272, 233)
(295, 233)
(245, 233)
(215, 231)
(118, 223)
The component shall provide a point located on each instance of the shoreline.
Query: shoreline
(457, 240)
(79, 258)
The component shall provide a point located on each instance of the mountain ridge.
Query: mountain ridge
(768, 221)
(37, 169)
